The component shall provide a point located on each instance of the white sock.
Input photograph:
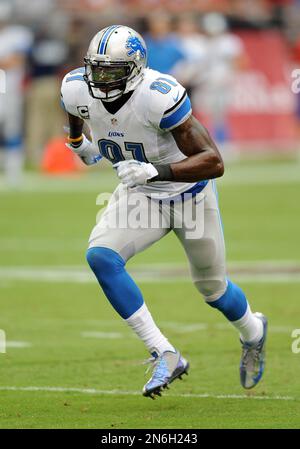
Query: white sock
(141, 322)
(249, 326)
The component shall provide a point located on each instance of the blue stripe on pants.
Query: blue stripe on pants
(119, 288)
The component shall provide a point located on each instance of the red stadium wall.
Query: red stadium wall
(262, 104)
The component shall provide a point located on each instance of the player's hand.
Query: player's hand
(83, 146)
(134, 173)
(86, 150)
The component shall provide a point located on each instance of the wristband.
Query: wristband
(164, 173)
(75, 139)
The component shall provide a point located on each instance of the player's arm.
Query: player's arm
(78, 142)
(76, 127)
(203, 159)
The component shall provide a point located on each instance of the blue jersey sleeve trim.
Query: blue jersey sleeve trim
(74, 78)
(176, 105)
(177, 116)
(78, 70)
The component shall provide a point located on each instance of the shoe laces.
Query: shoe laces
(152, 361)
(158, 365)
(251, 354)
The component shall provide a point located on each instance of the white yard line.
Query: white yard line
(104, 335)
(38, 244)
(252, 272)
(195, 327)
(94, 391)
(261, 175)
(267, 279)
(272, 329)
(105, 180)
(18, 344)
(184, 328)
(46, 274)
(179, 328)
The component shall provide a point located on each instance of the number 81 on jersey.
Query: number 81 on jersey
(113, 152)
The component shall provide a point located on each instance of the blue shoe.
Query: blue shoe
(253, 358)
(166, 367)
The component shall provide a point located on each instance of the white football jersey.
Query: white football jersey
(140, 129)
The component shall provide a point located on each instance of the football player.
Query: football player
(141, 121)
(15, 44)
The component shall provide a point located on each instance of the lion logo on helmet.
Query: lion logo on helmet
(134, 45)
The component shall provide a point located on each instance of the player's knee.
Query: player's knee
(211, 289)
(104, 262)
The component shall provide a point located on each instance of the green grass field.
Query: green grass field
(70, 360)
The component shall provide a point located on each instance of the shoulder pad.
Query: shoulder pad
(74, 91)
(169, 104)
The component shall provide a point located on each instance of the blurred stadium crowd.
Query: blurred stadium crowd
(205, 44)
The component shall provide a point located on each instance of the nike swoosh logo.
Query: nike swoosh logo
(176, 98)
(199, 197)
